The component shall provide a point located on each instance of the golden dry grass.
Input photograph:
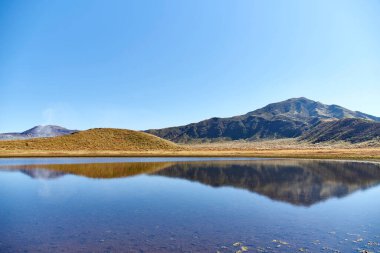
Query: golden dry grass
(92, 140)
(291, 148)
(118, 143)
(356, 154)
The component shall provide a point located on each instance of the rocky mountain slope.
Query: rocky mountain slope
(349, 130)
(37, 132)
(287, 119)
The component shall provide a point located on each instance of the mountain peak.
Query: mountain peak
(300, 99)
(44, 129)
(306, 109)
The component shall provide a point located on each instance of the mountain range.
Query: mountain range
(300, 118)
(292, 118)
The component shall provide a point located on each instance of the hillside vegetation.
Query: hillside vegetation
(100, 139)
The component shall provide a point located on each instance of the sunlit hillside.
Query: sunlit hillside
(99, 139)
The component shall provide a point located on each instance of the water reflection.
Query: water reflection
(92, 170)
(182, 206)
(298, 182)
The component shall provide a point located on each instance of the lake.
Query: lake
(188, 205)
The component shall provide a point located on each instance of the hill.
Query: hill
(101, 139)
(350, 130)
(37, 132)
(287, 119)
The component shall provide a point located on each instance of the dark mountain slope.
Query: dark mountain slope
(286, 119)
(350, 130)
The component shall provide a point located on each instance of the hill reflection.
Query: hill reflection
(298, 182)
(90, 170)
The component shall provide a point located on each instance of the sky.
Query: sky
(156, 63)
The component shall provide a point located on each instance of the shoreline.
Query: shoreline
(333, 154)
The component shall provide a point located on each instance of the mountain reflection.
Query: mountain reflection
(298, 182)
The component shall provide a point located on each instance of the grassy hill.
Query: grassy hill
(99, 139)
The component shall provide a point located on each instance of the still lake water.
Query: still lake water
(188, 205)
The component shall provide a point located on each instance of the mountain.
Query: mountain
(350, 130)
(100, 139)
(37, 132)
(287, 119)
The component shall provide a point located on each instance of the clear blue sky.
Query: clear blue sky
(152, 64)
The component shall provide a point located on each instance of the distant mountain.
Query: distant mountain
(37, 132)
(287, 119)
(350, 130)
